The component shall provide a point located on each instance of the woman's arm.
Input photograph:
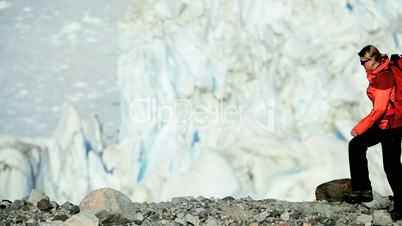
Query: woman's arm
(383, 88)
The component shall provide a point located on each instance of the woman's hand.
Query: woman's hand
(353, 133)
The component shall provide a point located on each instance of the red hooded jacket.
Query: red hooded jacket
(381, 91)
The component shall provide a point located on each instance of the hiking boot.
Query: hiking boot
(396, 215)
(359, 196)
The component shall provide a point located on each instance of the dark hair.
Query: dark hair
(371, 52)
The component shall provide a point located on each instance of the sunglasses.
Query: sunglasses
(362, 62)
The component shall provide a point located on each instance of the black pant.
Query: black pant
(390, 140)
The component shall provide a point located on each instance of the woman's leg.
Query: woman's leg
(357, 158)
(391, 151)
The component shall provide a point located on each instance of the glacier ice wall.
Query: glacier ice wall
(220, 98)
(289, 68)
(67, 166)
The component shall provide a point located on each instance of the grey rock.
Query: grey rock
(30, 221)
(312, 221)
(52, 223)
(381, 217)
(173, 224)
(261, 217)
(180, 215)
(73, 209)
(199, 211)
(54, 204)
(17, 204)
(237, 211)
(274, 212)
(62, 211)
(379, 202)
(179, 200)
(147, 222)
(364, 219)
(192, 219)
(364, 210)
(44, 204)
(138, 218)
(228, 198)
(248, 198)
(180, 221)
(37, 195)
(5, 204)
(285, 216)
(201, 199)
(327, 221)
(211, 221)
(83, 218)
(189, 198)
(60, 217)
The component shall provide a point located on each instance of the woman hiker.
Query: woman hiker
(379, 126)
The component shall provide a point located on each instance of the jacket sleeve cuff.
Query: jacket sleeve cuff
(358, 131)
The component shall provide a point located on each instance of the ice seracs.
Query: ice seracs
(285, 74)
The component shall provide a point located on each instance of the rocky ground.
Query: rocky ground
(21, 212)
(229, 211)
(110, 207)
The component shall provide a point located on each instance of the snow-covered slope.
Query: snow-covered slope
(222, 98)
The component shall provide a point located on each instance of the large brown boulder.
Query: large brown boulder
(109, 205)
(334, 190)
